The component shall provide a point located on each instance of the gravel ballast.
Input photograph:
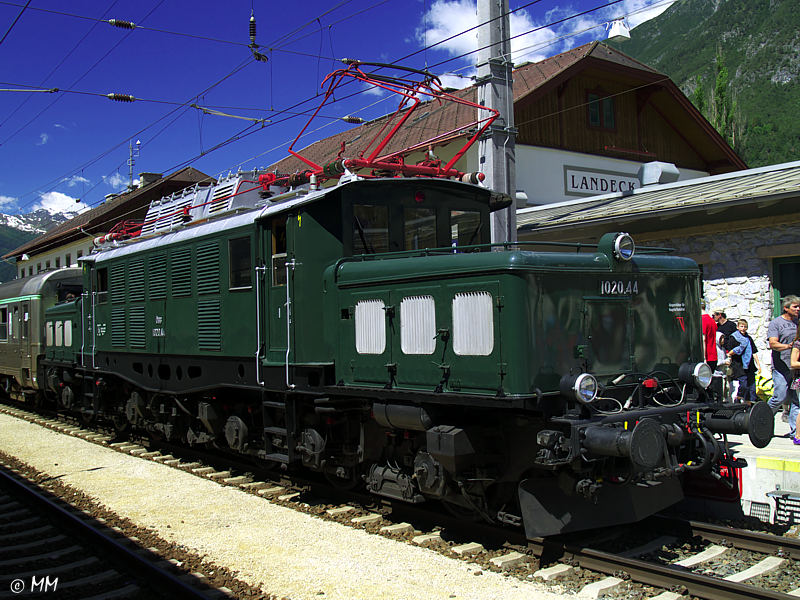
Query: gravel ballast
(282, 551)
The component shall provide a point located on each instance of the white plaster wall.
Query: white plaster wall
(540, 171)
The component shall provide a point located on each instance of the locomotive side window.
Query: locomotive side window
(239, 263)
(279, 252)
(418, 325)
(465, 227)
(59, 333)
(473, 324)
(4, 324)
(370, 229)
(101, 286)
(420, 228)
(49, 335)
(370, 327)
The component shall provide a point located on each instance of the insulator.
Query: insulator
(122, 24)
(333, 169)
(120, 97)
(252, 28)
(474, 177)
(352, 119)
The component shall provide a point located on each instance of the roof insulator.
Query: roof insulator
(120, 97)
(121, 24)
(352, 119)
(252, 29)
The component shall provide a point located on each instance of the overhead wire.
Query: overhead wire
(10, 27)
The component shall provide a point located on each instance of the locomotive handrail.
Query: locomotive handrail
(578, 246)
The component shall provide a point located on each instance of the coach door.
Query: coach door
(25, 350)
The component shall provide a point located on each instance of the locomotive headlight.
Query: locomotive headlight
(624, 246)
(582, 387)
(699, 374)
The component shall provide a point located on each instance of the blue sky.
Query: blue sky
(66, 150)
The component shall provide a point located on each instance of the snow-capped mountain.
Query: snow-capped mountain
(36, 222)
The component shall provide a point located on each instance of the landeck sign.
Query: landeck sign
(587, 182)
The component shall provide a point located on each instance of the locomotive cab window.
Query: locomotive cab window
(466, 228)
(101, 284)
(370, 229)
(278, 252)
(239, 263)
(420, 228)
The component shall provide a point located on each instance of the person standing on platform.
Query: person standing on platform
(710, 349)
(781, 335)
(794, 383)
(741, 354)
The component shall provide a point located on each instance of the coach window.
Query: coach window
(278, 252)
(4, 324)
(370, 229)
(239, 263)
(101, 284)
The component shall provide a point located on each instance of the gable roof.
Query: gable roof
(532, 80)
(129, 206)
(766, 191)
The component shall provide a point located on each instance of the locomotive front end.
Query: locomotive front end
(624, 390)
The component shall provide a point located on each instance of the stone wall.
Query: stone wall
(735, 279)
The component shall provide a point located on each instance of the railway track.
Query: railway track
(551, 560)
(48, 547)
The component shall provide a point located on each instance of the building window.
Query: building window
(785, 280)
(68, 260)
(80, 253)
(58, 262)
(600, 110)
(47, 265)
(38, 267)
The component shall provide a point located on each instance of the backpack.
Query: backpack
(763, 387)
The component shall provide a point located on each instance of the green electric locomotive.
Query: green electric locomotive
(369, 331)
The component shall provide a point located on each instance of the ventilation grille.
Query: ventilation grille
(222, 197)
(137, 333)
(157, 277)
(370, 327)
(209, 330)
(118, 283)
(182, 272)
(473, 324)
(136, 281)
(418, 325)
(118, 326)
(208, 268)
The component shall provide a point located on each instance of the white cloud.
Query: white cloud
(43, 137)
(8, 201)
(75, 180)
(116, 181)
(59, 126)
(56, 202)
(446, 18)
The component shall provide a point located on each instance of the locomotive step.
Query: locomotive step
(277, 457)
(276, 431)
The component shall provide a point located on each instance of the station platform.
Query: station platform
(770, 484)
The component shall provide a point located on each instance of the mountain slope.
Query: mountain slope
(16, 230)
(759, 41)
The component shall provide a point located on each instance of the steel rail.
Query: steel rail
(669, 576)
(167, 583)
(754, 541)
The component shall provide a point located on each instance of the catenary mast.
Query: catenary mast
(496, 149)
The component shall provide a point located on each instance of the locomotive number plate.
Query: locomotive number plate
(614, 288)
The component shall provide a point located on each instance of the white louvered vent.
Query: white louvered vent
(418, 325)
(473, 324)
(222, 197)
(370, 327)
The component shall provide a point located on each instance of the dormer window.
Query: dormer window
(600, 110)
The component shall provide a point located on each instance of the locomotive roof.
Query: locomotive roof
(276, 205)
(33, 285)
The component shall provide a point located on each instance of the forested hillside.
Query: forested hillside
(739, 62)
